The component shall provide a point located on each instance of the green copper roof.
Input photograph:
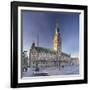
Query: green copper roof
(41, 49)
(65, 54)
(47, 50)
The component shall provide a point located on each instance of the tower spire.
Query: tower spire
(57, 38)
(38, 39)
(57, 28)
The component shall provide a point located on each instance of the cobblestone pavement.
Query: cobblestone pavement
(66, 70)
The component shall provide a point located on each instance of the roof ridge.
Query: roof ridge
(45, 49)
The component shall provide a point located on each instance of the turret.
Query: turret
(33, 45)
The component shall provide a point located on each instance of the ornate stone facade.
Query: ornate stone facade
(44, 57)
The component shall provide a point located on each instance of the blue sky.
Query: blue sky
(44, 23)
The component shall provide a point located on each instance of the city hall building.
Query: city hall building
(45, 57)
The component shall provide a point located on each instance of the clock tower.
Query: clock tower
(57, 39)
